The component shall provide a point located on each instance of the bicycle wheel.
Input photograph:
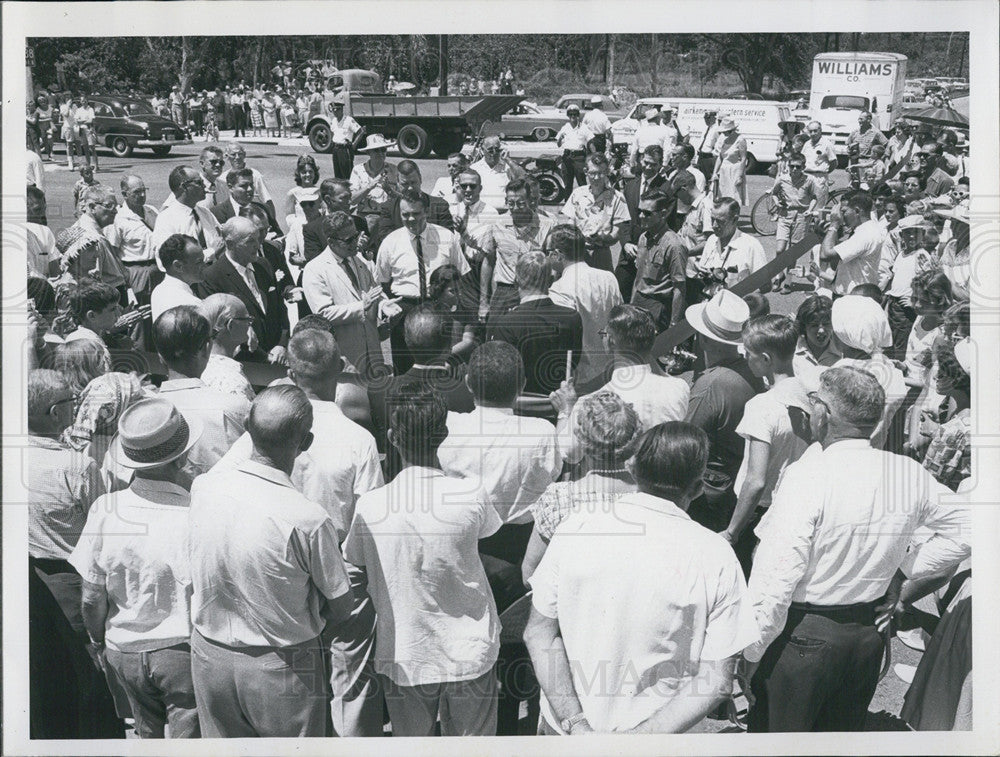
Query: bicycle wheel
(762, 216)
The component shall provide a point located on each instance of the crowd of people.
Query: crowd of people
(377, 458)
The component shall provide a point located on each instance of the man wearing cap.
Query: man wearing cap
(341, 289)
(730, 255)
(821, 160)
(598, 123)
(573, 138)
(718, 396)
(835, 548)
(345, 133)
(706, 144)
(135, 547)
(651, 132)
(267, 575)
(855, 260)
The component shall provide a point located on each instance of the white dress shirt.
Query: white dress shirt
(340, 466)
(418, 537)
(592, 293)
(179, 219)
(574, 138)
(495, 181)
(515, 457)
(36, 171)
(246, 273)
(649, 134)
(135, 545)
(396, 262)
(264, 558)
(444, 187)
(743, 251)
(835, 539)
(132, 235)
(642, 594)
(859, 255)
(479, 216)
(170, 293)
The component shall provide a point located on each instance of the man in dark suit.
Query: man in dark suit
(542, 331)
(242, 271)
(390, 219)
(651, 177)
(241, 197)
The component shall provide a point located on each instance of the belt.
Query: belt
(136, 263)
(859, 612)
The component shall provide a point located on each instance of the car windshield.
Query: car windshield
(139, 109)
(846, 102)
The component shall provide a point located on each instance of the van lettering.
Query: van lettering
(855, 69)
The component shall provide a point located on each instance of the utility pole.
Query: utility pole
(29, 74)
(443, 64)
(961, 55)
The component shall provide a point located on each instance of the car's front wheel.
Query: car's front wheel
(121, 147)
(541, 134)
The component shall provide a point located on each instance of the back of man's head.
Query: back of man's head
(427, 333)
(670, 459)
(777, 335)
(856, 397)
(44, 389)
(632, 329)
(496, 374)
(280, 418)
(417, 420)
(219, 309)
(408, 168)
(174, 248)
(533, 273)
(861, 202)
(567, 240)
(313, 321)
(180, 334)
(313, 356)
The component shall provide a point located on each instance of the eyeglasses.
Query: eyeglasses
(106, 205)
(217, 162)
(815, 399)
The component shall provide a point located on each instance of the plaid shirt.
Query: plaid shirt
(563, 498)
(949, 455)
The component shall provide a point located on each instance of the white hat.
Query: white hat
(721, 319)
(958, 213)
(152, 432)
(376, 142)
(726, 124)
(596, 100)
(912, 222)
(652, 113)
(861, 323)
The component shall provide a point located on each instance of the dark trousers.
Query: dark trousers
(820, 673)
(343, 161)
(239, 121)
(706, 164)
(598, 144)
(505, 297)
(572, 164)
(626, 272)
(901, 318)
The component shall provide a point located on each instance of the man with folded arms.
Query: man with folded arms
(267, 570)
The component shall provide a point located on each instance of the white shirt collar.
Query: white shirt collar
(240, 269)
(172, 281)
(496, 411)
(266, 472)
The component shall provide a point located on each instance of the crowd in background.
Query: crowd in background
(394, 450)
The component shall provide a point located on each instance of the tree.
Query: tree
(754, 56)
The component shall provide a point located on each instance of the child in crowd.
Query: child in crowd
(86, 180)
(874, 169)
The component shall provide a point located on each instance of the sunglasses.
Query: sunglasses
(217, 162)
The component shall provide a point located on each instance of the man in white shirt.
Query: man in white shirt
(589, 291)
(134, 550)
(236, 154)
(600, 212)
(832, 556)
(821, 160)
(656, 398)
(267, 576)
(438, 632)
(667, 658)
(729, 254)
(43, 257)
(184, 342)
(132, 234)
(856, 259)
(495, 171)
(651, 132)
(188, 215)
(599, 125)
(184, 261)
(469, 211)
(574, 139)
(344, 133)
(444, 187)
(406, 259)
(706, 144)
(86, 250)
(341, 465)
(36, 171)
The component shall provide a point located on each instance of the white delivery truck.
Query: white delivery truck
(757, 120)
(845, 84)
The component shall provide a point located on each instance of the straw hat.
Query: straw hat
(727, 124)
(376, 142)
(721, 319)
(152, 432)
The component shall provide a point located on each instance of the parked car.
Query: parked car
(583, 100)
(529, 121)
(124, 123)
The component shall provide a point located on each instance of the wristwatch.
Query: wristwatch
(571, 722)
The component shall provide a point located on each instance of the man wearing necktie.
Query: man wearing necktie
(706, 145)
(243, 273)
(187, 215)
(406, 259)
(339, 286)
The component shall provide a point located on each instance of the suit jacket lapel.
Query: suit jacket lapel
(239, 284)
(342, 274)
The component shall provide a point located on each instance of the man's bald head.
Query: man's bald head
(241, 238)
(220, 308)
(427, 333)
(280, 421)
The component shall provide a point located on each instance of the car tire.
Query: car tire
(413, 142)
(161, 150)
(550, 189)
(541, 134)
(320, 138)
(752, 163)
(121, 147)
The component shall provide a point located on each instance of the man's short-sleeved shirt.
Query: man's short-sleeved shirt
(494, 180)
(744, 252)
(795, 196)
(574, 138)
(866, 140)
(821, 157)
(597, 121)
(634, 642)
(396, 262)
(135, 545)
(660, 266)
(515, 458)
(859, 257)
(418, 539)
(62, 484)
(263, 559)
(505, 243)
